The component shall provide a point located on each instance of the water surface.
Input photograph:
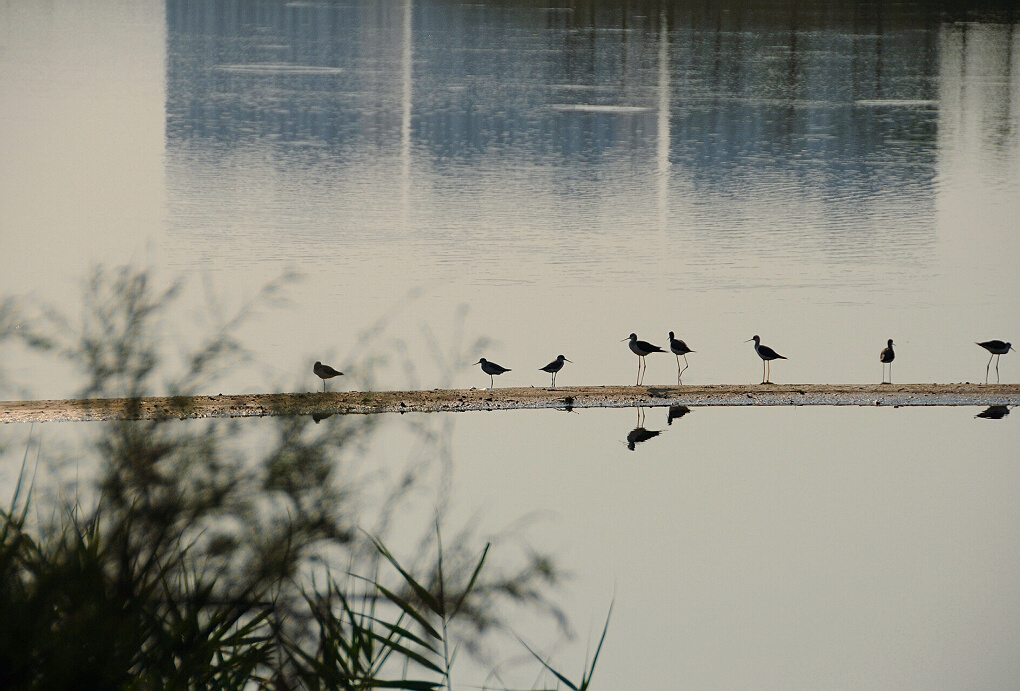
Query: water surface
(826, 177)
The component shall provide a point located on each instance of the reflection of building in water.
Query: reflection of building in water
(727, 102)
(550, 84)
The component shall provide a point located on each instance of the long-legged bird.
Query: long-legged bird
(886, 357)
(641, 349)
(678, 348)
(554, 367)
(767, 355)
(996, 348)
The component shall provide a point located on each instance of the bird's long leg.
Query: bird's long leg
(890, 373)
(554, 380)
(763, 371)
(996, 369)
(323, 386)
(684, 369)
(986, 368)
(637, 379)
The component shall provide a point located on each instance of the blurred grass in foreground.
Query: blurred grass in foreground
(201, 560)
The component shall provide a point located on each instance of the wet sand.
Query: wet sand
(461, 400)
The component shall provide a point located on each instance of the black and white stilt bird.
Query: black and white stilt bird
(641, 349)
(554, 367)
(767, 355)
(678, 348)
(996, 348)
(886, 357)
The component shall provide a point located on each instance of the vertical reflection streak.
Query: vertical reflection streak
(406, 61)
(662, 129)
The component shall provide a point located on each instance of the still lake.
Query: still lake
(548, 180)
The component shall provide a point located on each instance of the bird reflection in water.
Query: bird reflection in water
(319, 417)
(676, 412)
(640, 434)
(994, 412)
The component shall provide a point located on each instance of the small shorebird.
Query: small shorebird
(641, 349)
(491, 368)
(679, 348)
(996, 348)
(766, 354)
(325, 372)
(886, 357)
(554, 367)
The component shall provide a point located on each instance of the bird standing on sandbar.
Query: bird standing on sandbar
(491, 368)
(996, 348)
(679, 348)
(325, 372)
(554, 367)
(886, 357)
(641, 349)
(767, 355)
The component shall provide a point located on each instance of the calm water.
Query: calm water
(826, 177)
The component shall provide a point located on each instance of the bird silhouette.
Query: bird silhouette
(325, 372)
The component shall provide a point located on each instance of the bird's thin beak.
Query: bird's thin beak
(748, 340)
(624, 339)
(570, 361)
(476, 363)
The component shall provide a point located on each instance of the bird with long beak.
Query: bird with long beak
(996, 348)
(554, 367)
(767, 355)
(641, 349)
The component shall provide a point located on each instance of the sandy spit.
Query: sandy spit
(454, 400)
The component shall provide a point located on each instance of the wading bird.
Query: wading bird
(767, 355)
(679, 348)
(641, 349)
(325, 372)
(491, 368)
(996, 348)
(554, 367)
(886, 357)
